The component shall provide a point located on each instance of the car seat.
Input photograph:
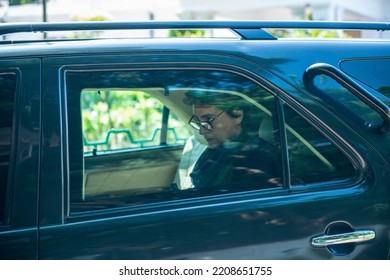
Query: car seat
(193, 148)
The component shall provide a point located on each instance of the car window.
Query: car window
(343, 94)
(373, 72)
(130, 141)
(7, 97)
(312, 157)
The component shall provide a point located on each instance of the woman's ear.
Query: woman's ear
(238, 115)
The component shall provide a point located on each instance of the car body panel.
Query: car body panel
(19, 236)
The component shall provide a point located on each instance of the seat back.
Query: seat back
(266, 130)
(193, 148)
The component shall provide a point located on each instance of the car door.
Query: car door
(100, 207)
(19, 157)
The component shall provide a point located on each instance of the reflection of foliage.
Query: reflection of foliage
(385, 90)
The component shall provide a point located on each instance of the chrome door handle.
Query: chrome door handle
(356, 236)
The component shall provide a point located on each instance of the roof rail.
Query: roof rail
(249, 30)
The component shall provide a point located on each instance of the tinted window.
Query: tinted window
(130, 142)
(313, 158)
(340, 99)
(7, 96)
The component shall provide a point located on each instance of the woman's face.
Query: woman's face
(223, 125)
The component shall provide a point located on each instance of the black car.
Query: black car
(96, 149)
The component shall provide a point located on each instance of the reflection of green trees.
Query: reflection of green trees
(385, 90)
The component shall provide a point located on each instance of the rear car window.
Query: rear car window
(312, 157)
(372, 72)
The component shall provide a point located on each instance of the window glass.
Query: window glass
(345, 101)
(312, 157)
(131, 142)
(7, 96)
(120, 119)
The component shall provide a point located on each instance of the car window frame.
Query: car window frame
(222, 69)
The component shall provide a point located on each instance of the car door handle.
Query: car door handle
(356, 236)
